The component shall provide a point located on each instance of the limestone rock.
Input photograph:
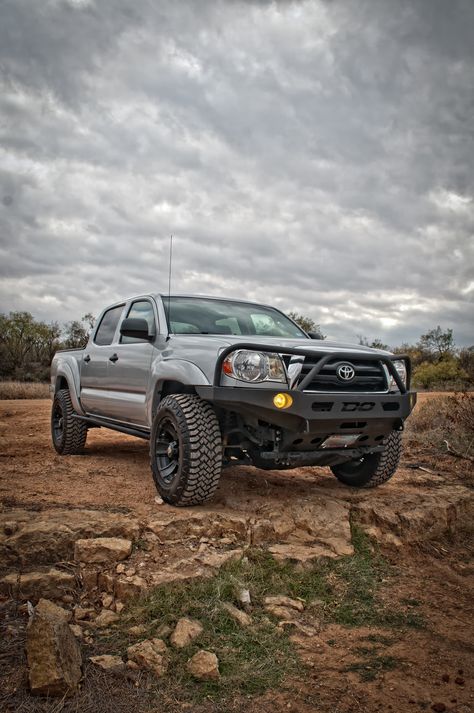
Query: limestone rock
(54, 656)
(106, 618)
(151, 655)
(77, 631)
(300, 553)
(185, 632)
(127, 588)
(51, 583)
(280, 612)
(108, 663)
(49, 536)
(137, 630)
(81, 613)
(282, 601)
(204, 665)
(238, 615)
(102, 550)
(49, 609)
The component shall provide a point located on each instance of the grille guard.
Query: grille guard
(325, 357)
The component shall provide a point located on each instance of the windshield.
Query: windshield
(200, 315)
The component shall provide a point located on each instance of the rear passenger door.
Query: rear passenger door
(128, 373)
(94, 369)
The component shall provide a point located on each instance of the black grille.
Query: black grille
(369, 376)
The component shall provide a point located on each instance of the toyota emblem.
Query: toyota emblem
(345, 372)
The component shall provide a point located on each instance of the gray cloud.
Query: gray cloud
(311, 154)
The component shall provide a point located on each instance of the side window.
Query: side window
(107, 326)
(140, 310)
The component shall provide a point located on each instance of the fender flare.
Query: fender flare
(65, 370)
(179, 370)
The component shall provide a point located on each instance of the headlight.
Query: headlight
(402, 372)
(254, 366)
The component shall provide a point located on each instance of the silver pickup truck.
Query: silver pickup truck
(215, 382)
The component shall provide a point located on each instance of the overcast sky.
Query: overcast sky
(316, 155)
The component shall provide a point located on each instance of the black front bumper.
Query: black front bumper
(316, 412)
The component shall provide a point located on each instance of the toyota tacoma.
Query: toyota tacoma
(214, 382)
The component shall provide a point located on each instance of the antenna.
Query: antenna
(169, 285)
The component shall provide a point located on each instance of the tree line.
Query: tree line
(27, 347)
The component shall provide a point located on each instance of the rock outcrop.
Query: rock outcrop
(102, 550)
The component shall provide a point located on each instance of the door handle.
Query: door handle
(87, 358)
(113, 358)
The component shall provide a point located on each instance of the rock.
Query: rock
(301, 553)
(54, 656)
(119, 607)
(237, 614)
(81, 613)
(106, 618)
(50, 583)
(49, 536)
(137, 630)
(129, 588)
(76, 630)
(280, 612)
(10, 527)
(132, 665)
(282, 601)
(102, 550)
(151, 655)
(163, 631)
(108, 663)
(185, 632)
(215, 560)
(48, 608)
(309, 631)
(107, 600)
(243, 595)
(106, 582)
(130, 571)
(204, 665)
(120, 568)
(89, 578)
(178, 525)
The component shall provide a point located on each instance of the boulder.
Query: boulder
(108, 663)
(102, 550)
(185, 632)
(54, 656)
(237, 615)
(47, 608)
(150, 655)
(204, 665)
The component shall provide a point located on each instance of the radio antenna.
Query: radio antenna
(169, 286)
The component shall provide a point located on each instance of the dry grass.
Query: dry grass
(23, 390)
(441, 419)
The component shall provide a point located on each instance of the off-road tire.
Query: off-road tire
(189, 473)
(69, 438)
(374, 469)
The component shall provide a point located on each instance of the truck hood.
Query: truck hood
(216, 343)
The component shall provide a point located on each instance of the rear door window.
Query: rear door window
(107, 326)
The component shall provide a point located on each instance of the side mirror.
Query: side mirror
(134, 327)
(315, 335)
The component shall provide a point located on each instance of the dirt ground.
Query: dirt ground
(436, 663)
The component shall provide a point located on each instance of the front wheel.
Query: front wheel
(185, 450)
(373, 469)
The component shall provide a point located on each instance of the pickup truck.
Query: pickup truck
(214, 382)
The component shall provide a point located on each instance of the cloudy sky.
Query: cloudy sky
(317, 155)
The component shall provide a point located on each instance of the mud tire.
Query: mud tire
(374, 469)
(185, 450)
(68, 434)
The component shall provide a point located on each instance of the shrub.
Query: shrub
(445, 374)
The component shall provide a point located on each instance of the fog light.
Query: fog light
(282, 400)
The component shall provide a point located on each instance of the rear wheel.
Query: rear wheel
(374, 469)
(69, 434)
(185, 450)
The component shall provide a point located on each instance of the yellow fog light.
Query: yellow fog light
(282, 400)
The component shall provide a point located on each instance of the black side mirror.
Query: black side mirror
(315, 335)
(134, 327)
